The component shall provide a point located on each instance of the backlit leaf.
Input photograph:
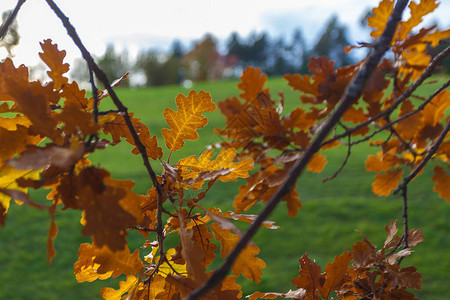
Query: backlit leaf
(252, 83)
(317, 163)
(442, 180)
(124, 287)
(385, 183)
(53, 58)
(335, 273)
(380, 16)
(187, 119)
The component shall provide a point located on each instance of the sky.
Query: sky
(140, 24)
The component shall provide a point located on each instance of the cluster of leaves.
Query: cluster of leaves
(48, 130)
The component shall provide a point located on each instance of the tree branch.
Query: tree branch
(352, 93)
(5, 26)
(123, 109)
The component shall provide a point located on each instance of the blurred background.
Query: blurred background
(177, 42)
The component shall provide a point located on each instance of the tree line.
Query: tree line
(204, 60)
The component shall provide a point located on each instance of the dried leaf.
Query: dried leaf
(53, 58)
(309, 276)
(442, 180)
(317, 163)
(52, 233)
(335, 273)
(187, 119)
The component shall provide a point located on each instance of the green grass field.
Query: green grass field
(324, 227)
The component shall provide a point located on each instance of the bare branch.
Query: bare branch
(123, 109)
(5, 26)
(352, 93)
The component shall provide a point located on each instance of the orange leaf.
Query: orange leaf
(53, 58)
(380, 16)
(335, 273)
(246, 263)
(119, 129)
(385, 183)
(77, 120)
(124, 286)
(191, 167)
(317, 163)
(408, 127)
(72, 93)
(298, 118)
(252, 83)
(187, 119)
(442, 180)
(418, 11)
(302, 83)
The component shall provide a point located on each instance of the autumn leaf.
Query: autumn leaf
(85, 268)
(124, 287)
(442, 180)
(252, 83)
(302, 83)
(417, 12)
(187, 119)
(174, 268)
(317, 163)
(53, 58)
(296, 295)
(385, 183)
(335, 273)
(119, 129)
(309, 276)
(380, 16)
(246, 263)
(191, 167)
(72, 93)
(76, 120)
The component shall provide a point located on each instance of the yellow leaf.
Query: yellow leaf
(8, 181)
(380, 17)
(124, 287)
(187, 119)
(246, 263)
(417, 12)
(385, 183)
(165, 269)
(193, 168)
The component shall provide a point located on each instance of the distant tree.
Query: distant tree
(203, 61)
(332, 43)
(115, 65)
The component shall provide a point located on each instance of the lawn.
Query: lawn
(324, 227)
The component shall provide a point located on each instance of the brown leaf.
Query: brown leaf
(127, 286)
(317, 163)
(335, 273)
(76, 120)
(53, 58)
(2, 214)
(442, 180)
(309, 276)
(391, 231)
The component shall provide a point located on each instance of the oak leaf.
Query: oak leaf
(246, 263)
(309, 276)
(380, 16)
(191, 167)
(296, 295)
(53, 58)
(127, 286)
(187, 119)
(317, 163)
(252, 83)
(335, 273)
(85, 268)
(72, 93)
(442, 180)
(385, 183)
(417, 12)
(119, 129)
(52, 233)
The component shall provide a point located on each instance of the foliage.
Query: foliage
(49, 130)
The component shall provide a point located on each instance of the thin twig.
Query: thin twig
(405, 220)
(352, 93)
(349, 152)
(418, 109)
(427, 73)
(5, 26)
(422, 164)
(123, 109)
